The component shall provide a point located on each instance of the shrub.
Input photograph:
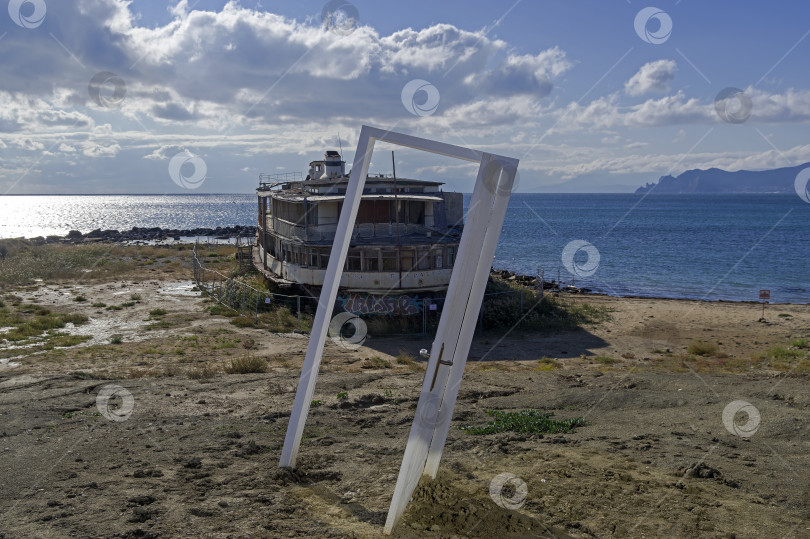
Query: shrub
(548, 364)
(116, 339)
(242, 321)
(135, 297)
(343, 395)
(799, 343)
(247, 365)
(379, 363)
(80, 299)
(158, 312)
(205, 372)
(701, 348)
(404, 358)
(605, 360)
(502, 309)
(525, 421)
(221, 310)
(99, 304)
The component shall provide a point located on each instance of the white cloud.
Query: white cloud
(92, 149)
(652, 77)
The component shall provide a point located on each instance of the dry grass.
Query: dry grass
(701, 348)
(26, 261)
(246, 365)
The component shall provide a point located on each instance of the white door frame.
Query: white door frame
(449, 352)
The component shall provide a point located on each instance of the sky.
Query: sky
(113, 96)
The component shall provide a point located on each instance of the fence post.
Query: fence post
(298, 303)
(425, 303)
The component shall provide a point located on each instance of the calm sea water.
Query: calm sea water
(681, 246)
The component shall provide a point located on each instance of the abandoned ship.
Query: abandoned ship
(403, 245)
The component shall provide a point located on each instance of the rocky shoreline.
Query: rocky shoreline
(146, 234)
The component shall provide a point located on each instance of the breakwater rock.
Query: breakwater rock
(147, 234)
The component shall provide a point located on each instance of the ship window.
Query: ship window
(353, 261)
(406, 258)
(313, 258)
(370, 261)
(437, 259)
(324, 260)
(389, 261)
(423, 263)
(451, 256)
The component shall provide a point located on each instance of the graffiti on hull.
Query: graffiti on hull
(370, 304)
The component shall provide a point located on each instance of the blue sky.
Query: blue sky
(587, 99)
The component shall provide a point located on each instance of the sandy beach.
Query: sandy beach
(197, 453)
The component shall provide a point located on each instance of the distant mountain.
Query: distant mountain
(714, 180)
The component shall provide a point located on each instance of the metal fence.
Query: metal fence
(246, 300)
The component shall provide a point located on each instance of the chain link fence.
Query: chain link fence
(248, 301)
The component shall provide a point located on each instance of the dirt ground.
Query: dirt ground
(197, 454)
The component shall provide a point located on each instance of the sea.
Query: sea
(707, 247)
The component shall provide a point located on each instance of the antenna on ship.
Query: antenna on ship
(340, 144)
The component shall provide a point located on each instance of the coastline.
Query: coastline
(167, 236)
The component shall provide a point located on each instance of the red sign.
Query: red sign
(764, 294)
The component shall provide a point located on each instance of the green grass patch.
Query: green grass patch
(546, 363)
(116, 338)
(160, 324)
(155, 313)
(242, 321)
(64, 341)
(800, 343)
(29, 321)
(780, 353)
(526, 422)
(605, 360)
(220, 310)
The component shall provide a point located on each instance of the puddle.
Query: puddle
(185, 288)
(102, 329)
(8, 364)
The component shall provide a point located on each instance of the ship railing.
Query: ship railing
(326, 232)
(268, 181)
